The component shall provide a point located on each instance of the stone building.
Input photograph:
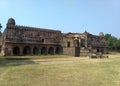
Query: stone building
(23, 40)
(82, 44)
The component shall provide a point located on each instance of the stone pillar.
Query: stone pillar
(10, 51)
(61, 50)
(39, 50)
(46, 50)
(54, 50)
(31, 53)
(21, 50)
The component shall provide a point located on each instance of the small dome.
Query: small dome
(11, 21)
(101, 34)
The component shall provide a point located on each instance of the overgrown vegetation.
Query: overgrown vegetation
(61, 71)
(113, 43)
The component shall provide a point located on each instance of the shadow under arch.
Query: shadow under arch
(35, 50)
(43, 51)
(57, 50)
(51, 50)
(26, 50)
(16, 51)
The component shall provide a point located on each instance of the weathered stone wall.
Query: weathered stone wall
(21, 34)
(69, 51)
(87, 42)
(22, 40)
(84, 52)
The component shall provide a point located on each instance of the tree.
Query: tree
(118, 45)
(113, 43)
(107, 36)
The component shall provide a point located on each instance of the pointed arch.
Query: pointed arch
(16, 51)
(26, 50)
(51, 50)
(35, 50)
(43, 50)
(57, 50)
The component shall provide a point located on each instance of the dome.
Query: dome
(11, 21)
(101, 34)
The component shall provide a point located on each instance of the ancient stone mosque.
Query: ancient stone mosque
(24, 40)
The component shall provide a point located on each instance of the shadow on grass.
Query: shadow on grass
(5, 62)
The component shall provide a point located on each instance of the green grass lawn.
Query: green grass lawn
(60, 70)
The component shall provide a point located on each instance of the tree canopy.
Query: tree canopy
(113, 43)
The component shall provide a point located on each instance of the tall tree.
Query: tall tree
(113, 43)
(107, 36)
(117, 44)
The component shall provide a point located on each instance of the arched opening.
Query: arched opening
(51, 50)
(42, 40)
(26, 50)
(57, 51)
(76, 43)
(98, 50)
(102, 51)
(43, 50)
(16, 51)
(35, 50)
(82, 43)
(68, 44)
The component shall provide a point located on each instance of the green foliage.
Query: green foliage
(107, 36)
(117, 44)
(113, 43)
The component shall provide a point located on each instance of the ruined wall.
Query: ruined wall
(22, 40)
(69, 51)
(21, 34)
(87, 42)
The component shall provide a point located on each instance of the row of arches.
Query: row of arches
(27, 50)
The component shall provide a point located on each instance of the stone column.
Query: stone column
(10, 50)
(21, 50)
(39, 50)
(46, 50)
(31, 53)
(54, 50)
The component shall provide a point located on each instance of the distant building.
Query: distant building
(82, 44)
(22, 40)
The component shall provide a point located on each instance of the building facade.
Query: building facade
(23, 40)
(82, 44)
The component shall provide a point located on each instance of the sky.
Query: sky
(76, 16)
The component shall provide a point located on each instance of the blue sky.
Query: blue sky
(66, 15)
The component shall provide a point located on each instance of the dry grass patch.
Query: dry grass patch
(61, 71)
